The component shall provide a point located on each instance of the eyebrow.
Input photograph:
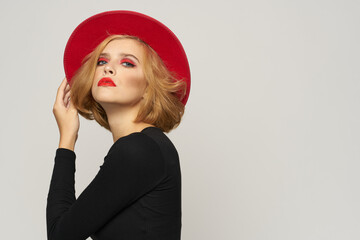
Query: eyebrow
(121, 54)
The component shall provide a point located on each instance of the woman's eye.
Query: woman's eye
(125, 62)
(101, 60)
(128, 63)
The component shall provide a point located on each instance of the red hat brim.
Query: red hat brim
(92, 31)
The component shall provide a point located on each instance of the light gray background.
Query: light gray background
(269, 143)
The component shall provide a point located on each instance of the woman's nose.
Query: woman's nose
(109, 69)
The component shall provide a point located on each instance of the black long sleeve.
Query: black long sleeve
(129, 197)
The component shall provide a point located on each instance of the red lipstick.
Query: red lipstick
(106, 82)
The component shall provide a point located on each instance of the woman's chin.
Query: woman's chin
(104, 101)
(103, 96)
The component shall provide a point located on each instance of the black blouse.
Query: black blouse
(136, 193)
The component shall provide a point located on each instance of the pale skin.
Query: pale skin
(121, 103)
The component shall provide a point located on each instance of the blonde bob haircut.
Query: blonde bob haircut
(162, 108)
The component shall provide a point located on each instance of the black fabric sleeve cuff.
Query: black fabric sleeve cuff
(65, 153)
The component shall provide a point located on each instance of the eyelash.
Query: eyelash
(122, 61)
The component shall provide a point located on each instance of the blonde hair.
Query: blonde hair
(162, 108)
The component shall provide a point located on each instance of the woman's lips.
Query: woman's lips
(106, 82)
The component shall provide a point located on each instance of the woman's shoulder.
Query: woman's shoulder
(135, 150)
(135, 154)
(150, 141)
(134, 143)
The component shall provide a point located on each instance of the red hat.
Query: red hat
(92, 31)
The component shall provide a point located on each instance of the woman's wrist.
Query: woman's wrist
(67, 142)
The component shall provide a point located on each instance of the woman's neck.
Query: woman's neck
(121, 120)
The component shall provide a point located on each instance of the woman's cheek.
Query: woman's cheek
(137, 82)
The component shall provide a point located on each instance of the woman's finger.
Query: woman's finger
(66, 92)
(71, 104)
(60, 92)
(67, 88)
(66, 98)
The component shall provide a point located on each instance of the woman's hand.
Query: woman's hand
(66, 116)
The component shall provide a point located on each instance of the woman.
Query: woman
(126, 85)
